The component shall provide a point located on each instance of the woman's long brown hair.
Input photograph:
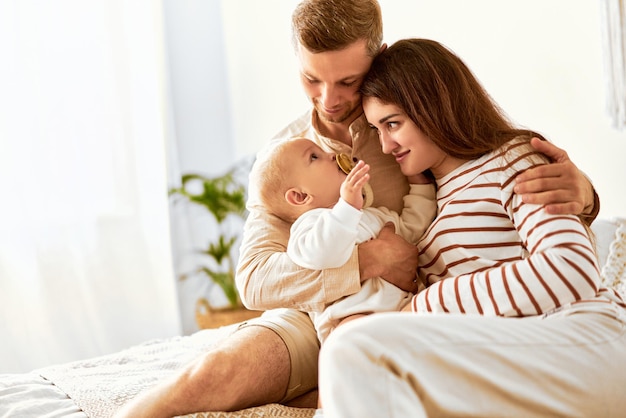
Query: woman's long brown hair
(442, 97)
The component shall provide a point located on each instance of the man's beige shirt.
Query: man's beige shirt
(266, 277)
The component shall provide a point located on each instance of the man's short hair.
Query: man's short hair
(332, 25)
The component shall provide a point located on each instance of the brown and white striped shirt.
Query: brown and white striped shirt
(489, 253)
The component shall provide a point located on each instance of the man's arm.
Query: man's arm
(560, 186)
(267, 278)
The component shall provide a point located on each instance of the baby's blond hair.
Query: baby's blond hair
(272, 176)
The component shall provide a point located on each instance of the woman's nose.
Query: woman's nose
(387, 144)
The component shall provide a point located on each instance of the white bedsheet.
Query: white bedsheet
(29, 395)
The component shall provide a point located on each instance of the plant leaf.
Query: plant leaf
(226, 281)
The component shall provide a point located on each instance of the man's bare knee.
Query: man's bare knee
(249, 368)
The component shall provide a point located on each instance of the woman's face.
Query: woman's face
(400, 137)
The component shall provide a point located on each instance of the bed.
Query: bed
(97, 387)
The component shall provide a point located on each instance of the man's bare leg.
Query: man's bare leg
(228, 378)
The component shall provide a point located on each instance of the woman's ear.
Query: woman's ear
(297, 197)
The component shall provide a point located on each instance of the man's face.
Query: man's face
(331, 80)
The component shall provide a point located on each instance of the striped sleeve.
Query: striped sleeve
(490, 253)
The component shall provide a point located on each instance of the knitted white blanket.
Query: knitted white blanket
(614, 271)
(101, 385)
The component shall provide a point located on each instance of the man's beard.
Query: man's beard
(340, 118)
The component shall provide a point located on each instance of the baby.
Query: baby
(322, 195)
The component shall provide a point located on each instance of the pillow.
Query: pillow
(611, 248)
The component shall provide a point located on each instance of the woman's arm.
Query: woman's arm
(507, 257)
(559, 269)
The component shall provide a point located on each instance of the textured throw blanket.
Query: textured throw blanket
(614, 271)
(101, 385)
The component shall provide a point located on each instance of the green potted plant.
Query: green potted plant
(224, 197)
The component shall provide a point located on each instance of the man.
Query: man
(274, 358)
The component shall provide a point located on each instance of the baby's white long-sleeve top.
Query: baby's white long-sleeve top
(325, 238)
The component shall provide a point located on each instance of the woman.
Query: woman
(514, 321)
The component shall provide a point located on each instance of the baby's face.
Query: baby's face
(315, 171)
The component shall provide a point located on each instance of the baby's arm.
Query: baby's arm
(324, 238)
(321, 238)
(352, 187)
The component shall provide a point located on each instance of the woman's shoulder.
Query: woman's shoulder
(518, 151)
(511, 159)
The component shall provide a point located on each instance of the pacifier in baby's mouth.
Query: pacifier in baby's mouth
(346, 164)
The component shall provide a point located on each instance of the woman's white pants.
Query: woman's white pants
(571, 363)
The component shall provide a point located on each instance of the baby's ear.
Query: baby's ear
(297, 197)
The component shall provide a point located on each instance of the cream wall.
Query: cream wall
(541, 61)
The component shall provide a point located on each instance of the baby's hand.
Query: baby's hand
(352, 187)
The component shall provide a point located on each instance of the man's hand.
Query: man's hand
(391, 257)
(560, 186)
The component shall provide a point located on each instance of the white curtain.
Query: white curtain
(85, 261)
(613, 14)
